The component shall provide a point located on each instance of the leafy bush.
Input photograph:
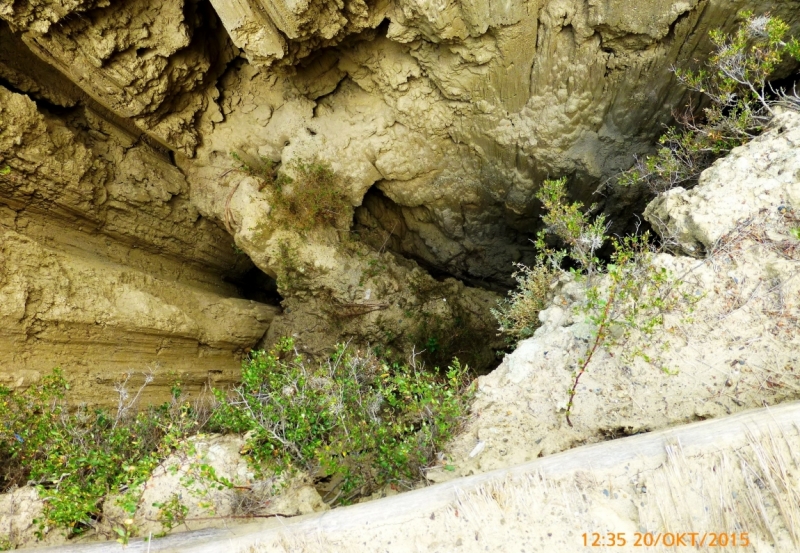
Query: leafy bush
(78, 456)
(742, 103)
(353, 419)
(518, 314)
(625, 295)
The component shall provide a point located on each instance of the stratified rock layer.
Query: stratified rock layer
(105, 267)
(440, 120)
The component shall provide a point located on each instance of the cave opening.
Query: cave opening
(256, 285)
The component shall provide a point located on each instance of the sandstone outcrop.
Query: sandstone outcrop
(154, 63)
(131, 239)
(105, 266)
(440, 120)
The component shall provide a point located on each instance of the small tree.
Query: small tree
(632, 295)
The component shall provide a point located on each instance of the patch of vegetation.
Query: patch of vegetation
(742, 103)
(311, 198)
(77, 456)
(354, 419)
(375, 266)
(624, 295)
(518, 314)
(314, 197)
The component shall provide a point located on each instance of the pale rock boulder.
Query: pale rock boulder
(211, 481)
(761, 175)
(18, 510)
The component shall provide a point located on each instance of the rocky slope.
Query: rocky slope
(131, 239)
(731, 342)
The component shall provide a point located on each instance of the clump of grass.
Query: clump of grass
(353, 419)
(313, 197)
(310, 198)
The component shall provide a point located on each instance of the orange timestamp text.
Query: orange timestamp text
(667, 539)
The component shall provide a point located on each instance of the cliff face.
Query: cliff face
(439, 118)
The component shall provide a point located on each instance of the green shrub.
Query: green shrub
(742, 103)
(518, 314)
(76, 456)
(360, 421)
(627, 294)
(570, 226)
(312, 197)
(353, 419)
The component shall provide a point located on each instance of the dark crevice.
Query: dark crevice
(672, 33)
(257, 286)
(42, 104)
(381, 223)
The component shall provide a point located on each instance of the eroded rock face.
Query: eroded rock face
(105, 266)
(268, 31)
(154, 63)
(40, 15)
(452, 115)
(440, 119)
